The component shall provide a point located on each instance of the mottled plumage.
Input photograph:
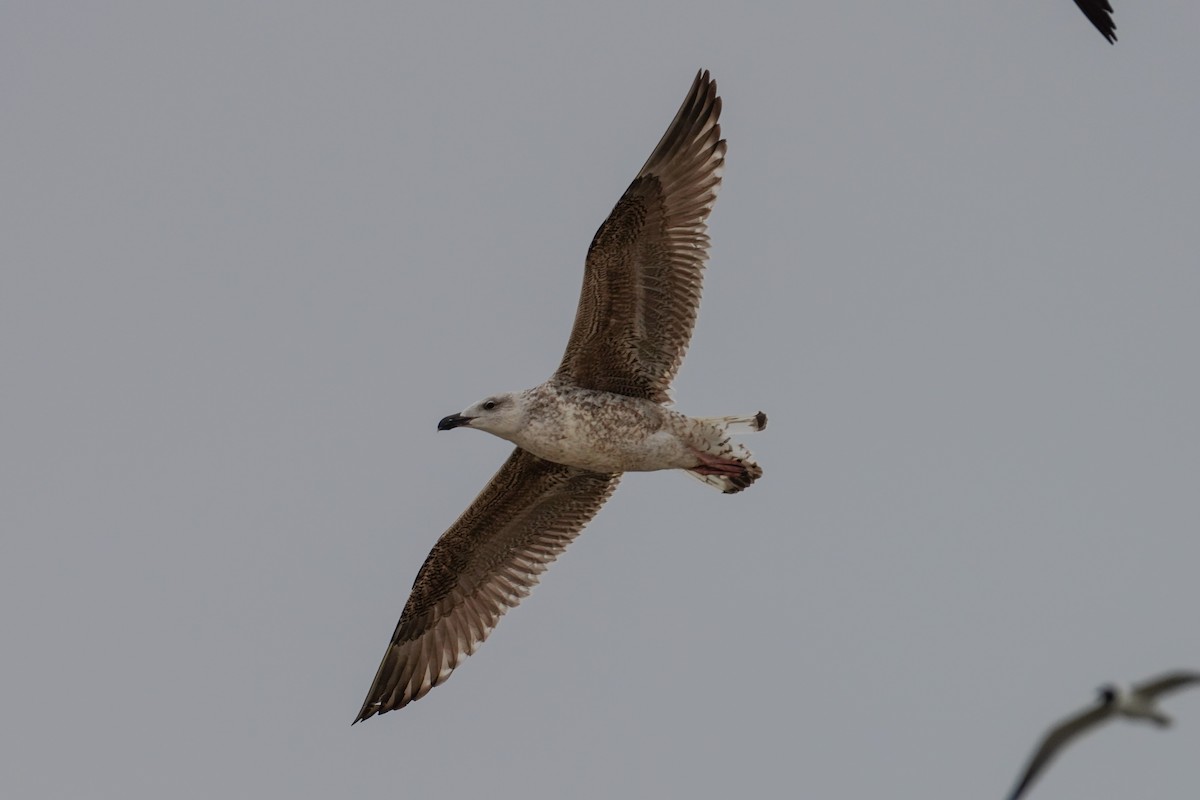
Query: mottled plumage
(602, 413)
(642, 278)
(489, 559)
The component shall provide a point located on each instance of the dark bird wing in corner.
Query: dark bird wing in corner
(487, 561)
(1056, 739)
(1100, 14)
(644, 269)
(1167, 682)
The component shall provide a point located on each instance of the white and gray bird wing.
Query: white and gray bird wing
(1167, 682)
(1057, 738)
(1099, 12)
(488, 560)
(643, 274)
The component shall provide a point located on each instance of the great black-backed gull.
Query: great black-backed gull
(602, 413)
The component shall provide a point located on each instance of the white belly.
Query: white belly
(608, 433)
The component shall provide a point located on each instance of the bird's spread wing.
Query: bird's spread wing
(482, 566)
(1054, 741)
(1100, 14)
(642, 278)
(1166, 682)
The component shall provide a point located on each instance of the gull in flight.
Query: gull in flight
(602, 413)
(1139, 702)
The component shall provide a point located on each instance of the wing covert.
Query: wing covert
(644, 269)
(487, 561)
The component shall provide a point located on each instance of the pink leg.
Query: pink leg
(713, 465)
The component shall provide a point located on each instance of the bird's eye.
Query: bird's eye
(489, 405)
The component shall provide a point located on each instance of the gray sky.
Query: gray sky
(251, 254)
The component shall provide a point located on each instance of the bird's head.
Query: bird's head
(500, 414)
(1107, 694)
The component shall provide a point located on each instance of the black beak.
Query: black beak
(453, 421)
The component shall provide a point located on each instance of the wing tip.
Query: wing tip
(695, 131)
(1100, 13)
(368, 710)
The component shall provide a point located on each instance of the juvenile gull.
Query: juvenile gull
(1139, 702)
(602, 413)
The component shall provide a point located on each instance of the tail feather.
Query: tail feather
(738, 469)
